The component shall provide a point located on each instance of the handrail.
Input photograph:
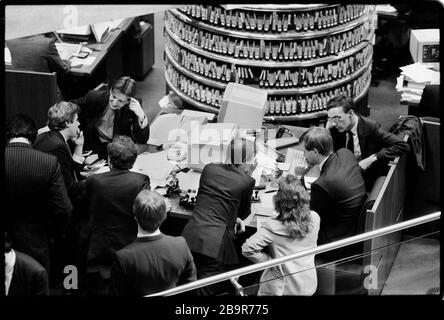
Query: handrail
(320, 249)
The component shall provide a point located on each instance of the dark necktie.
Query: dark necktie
(350, 144)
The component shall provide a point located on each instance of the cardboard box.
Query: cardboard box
(210, 143)
(424, 46)
(243, 105)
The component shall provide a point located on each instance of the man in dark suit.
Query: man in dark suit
(153, 262)
(339, 193)
(371, 145)
(223, 199)
(111, 196)
(24, 276)
(106, 114)
(38, 203)
(64, 127)
(38, 53)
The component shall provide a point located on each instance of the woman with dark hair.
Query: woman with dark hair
(295, 228)
(108, 113)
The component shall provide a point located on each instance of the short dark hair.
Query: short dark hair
(149, 208)
(291, 202)
(241, 151)
(21, 126)
(60, 113)
(122, 152)
(318, 138)
(126, 85)
(343, 101)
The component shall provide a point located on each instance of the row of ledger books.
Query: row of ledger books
(273, 21)
(285, 105)
(275, 49)
(289, 105)
(299, 77)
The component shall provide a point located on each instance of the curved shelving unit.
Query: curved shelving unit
(304, 35)
(188, 29)
(268, 63)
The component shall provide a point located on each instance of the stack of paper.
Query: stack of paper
(412, 81)
(154, 165)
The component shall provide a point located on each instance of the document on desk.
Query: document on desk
(75, 61)
(67, 50)
(154, 165)
(189, 180)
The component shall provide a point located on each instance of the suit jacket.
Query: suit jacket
(224, 194)
(112, 225)
(39, 205)
(338, 196)
(29, 278)
(272, 240)
(152, 264)
(92, 105)
(36, 53)
(53, 142)
(373, 140)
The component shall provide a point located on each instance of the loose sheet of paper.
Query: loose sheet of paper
(154, 165)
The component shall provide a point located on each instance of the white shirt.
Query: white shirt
(141, 234)
(9, 269)
(19, 140)
(356, 146)
(322, 162)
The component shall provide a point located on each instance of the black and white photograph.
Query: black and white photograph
(222, 150)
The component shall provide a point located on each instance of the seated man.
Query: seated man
(223, 199)
(64, 126)
(111, 196)
(38, 53)
(106, 114)
(153, 262)
(339, 193)
(371, 145)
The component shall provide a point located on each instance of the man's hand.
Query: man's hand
(135, 107)
(328, 125)
(79, 140)
(367, 162)
(240, 226)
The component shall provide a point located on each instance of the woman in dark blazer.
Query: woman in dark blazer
(107, 113)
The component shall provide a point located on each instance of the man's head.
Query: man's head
(317, 143)
(21, 126)
(122, 152)
(242, 154)
(149, 209)
(121, 92)
(340, 112)
(64, 116)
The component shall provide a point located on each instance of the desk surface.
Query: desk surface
(100, 50)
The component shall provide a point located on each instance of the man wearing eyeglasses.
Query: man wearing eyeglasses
(372, 146)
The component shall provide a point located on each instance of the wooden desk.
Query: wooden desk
(100, 52)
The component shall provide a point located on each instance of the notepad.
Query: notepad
(67, 50)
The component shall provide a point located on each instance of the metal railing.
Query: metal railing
(317, 250)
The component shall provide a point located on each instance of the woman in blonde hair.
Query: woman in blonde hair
(295, 228)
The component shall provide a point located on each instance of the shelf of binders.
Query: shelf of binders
(298, 107)
(311, 115)
(277, 18)
(289, 91)
(269, 63)
(200, 105)
(289, 35)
